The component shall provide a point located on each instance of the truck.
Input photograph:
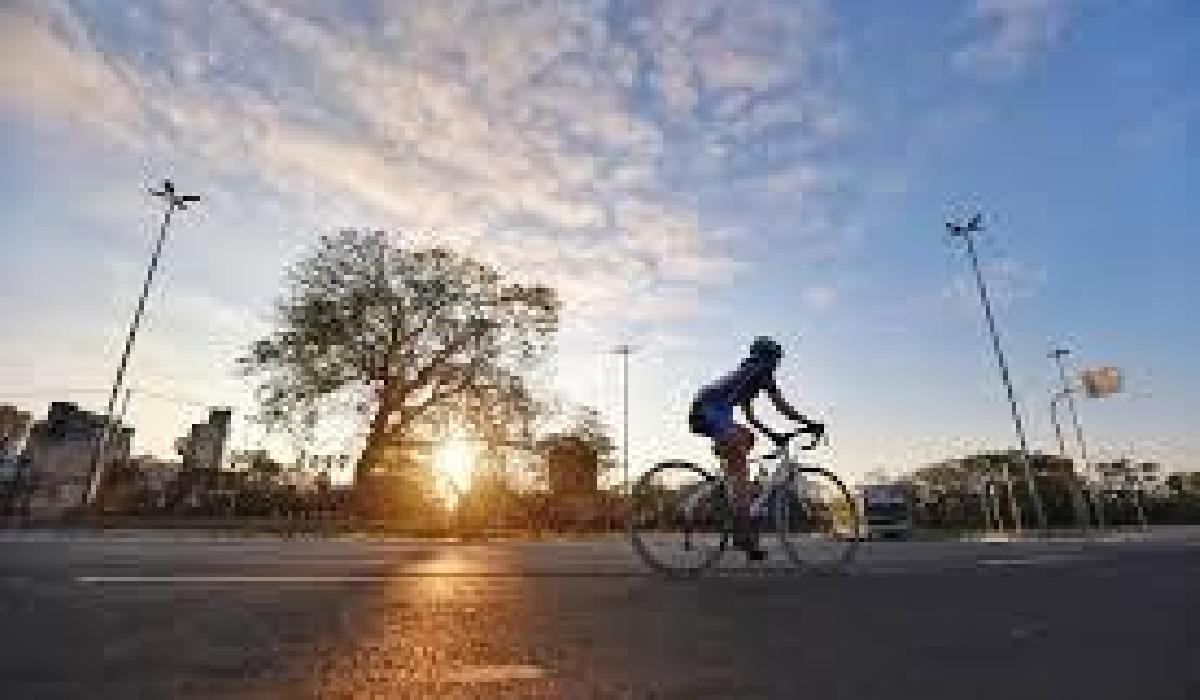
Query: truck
(886, 512)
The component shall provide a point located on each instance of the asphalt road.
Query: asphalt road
(154, 616)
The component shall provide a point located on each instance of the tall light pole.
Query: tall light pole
(625, 350)
(1057, 355)
(1082, 513)
(173, 202)
(966, 232)
(1058, 436)
(1067, 392)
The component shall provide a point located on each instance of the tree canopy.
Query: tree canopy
(410, 336)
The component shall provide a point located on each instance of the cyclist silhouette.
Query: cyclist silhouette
(711, 415)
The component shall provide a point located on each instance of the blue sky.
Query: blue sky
(689, 174)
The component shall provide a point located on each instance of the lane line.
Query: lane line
(231, 579)
(354, 578)
(1036, 560)
(496, 673)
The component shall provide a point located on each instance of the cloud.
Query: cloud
(47, 67)
(567, 147)
(1008, 281)
(1009, 34)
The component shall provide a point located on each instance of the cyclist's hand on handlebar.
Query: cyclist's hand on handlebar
(816, 431)
(813, 429)
(785, 438)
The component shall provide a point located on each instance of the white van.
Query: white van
(886, 513)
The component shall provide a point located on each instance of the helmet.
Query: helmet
(766, 348)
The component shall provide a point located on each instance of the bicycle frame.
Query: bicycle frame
(786, 473)
(809, 508)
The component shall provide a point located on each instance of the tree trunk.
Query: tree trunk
(376, 442)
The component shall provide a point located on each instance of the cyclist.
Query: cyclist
(711, 415)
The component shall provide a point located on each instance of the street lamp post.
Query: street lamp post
(966, 233)
(1057, 355)
(1081, 508)
(1058, 435)
(1068, 393)
(1139, 483)
(173, 201)
(625, 350)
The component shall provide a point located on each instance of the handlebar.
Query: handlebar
(781, 440)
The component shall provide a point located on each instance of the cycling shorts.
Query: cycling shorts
(713, 419)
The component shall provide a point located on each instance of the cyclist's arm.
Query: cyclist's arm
(786, 408)
(748, 411)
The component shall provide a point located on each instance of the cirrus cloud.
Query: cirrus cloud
(564, 141)
(1010, 33)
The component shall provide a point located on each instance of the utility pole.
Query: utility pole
(173, 202)
(1058, 435)
(1068, 392)
(966, 233)
(1057, 355)
(1138, 479)
(1082, 513)
(625, 350)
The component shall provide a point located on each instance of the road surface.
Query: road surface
(144, 615)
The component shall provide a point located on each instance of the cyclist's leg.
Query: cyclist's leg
(732, 443)
(736, 458)
(734, 451)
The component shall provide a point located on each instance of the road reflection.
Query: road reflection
(433, 632)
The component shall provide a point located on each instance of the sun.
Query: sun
(455, 461)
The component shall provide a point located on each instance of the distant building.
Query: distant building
(1184, 483)
(204, 447)
(59, 452)
(203, 451)
(156, 478)
(572, 466)
(14, 426)
(1126, 475)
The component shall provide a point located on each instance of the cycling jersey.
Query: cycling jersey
(752, 376)
(711, 414)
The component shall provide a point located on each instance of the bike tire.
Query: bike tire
(654, 512)
(818, 522)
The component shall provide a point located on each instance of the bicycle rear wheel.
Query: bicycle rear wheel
(679, 519)
(817, 520)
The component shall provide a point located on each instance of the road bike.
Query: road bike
(681, 516)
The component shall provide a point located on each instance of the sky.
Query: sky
(688, 175)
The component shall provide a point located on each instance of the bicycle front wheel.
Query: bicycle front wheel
(817, 520)
(679, 519)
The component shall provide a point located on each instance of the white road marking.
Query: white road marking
(1034, 560)
(496, 673)
(234, 579)
(352, 578)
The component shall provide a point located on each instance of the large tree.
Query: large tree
(410, 335)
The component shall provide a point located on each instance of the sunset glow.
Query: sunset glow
(454, 464)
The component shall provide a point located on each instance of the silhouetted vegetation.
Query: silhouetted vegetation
(413, 339)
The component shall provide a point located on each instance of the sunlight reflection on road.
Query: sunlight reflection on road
(440, 635)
